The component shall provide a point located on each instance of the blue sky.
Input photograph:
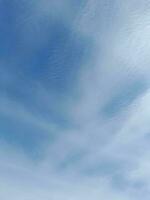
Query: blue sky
(74, 99)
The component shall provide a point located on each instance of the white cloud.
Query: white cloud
(121, 139)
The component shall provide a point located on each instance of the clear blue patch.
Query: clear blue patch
(10, 14)
(124, 98)
(23, 136)
(54, 64)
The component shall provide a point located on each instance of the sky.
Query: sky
(74, 99)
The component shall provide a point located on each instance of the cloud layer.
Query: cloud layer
(74, 101)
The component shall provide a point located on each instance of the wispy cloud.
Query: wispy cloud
(92, 136)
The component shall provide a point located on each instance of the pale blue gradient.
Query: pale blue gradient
(74, 99)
